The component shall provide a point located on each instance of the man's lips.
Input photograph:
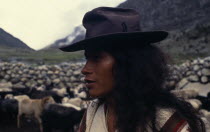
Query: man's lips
(89, 82)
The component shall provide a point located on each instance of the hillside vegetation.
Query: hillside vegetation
(49, 56)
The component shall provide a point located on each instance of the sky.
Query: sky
(39, 23)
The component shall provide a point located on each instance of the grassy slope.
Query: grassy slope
(56, 56)
(180, 45)
(46, 56)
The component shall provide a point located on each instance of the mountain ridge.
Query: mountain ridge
(8, 40)
(170, 15)
(165, 15)
(188, 24)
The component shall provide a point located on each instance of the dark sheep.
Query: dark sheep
(56, 116)
(205, 102)
(36, 94)
(3, 94)
(70, 93)
(8, 111)
(208, 95)
(20, 91)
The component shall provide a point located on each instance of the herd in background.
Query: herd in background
(58, 102)
(55, 97)
(49, 109)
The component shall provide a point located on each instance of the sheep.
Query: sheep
(4, 93)
(64, 100)
(70, 92)
(9, 96)
(5, 90)
(205, 113)
(36, 94)
(205, 102)
(195, 103)
(40, 89)
(82, 94)
(80, 91)
(8, 110)
(61, 92)
(75, 101)
(19, 98)
(33, 107)
(24, 90)
(185, 93)
(61, 116)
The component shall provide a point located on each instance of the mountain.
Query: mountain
(187, 21)
(75, 36)
(7, 40)
(194, 41)
(170, 14)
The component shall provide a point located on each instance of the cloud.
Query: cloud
(40, 22)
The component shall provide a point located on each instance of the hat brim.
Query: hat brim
(142, 38)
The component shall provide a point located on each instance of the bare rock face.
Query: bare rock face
(188, 23)
(169, 15)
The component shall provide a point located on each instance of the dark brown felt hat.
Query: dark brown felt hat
(114, 27)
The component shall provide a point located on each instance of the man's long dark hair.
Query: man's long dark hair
(140, 74)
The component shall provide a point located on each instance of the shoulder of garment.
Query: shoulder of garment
(168, 120)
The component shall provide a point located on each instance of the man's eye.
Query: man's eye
(96, 57)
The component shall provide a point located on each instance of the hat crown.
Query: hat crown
(114, 28)
(108, 20)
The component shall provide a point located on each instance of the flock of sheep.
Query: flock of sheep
(55, 98)
(64, 114)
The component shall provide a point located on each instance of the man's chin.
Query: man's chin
(94, 96)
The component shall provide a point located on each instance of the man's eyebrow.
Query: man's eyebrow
(90, 53)
(87, 54)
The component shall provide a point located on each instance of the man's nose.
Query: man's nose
(86, 69)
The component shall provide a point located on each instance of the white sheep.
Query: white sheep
(5, 90)
(195, 103)
(74, 101)
(205, 114)
(65, 100)
(9, 96)
(40, 89)
(185, 93)
(21, 97)
(61, 92)
(82, 94)
(71, 106)
(33, 107)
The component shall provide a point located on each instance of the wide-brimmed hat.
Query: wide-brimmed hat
(114, 27)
